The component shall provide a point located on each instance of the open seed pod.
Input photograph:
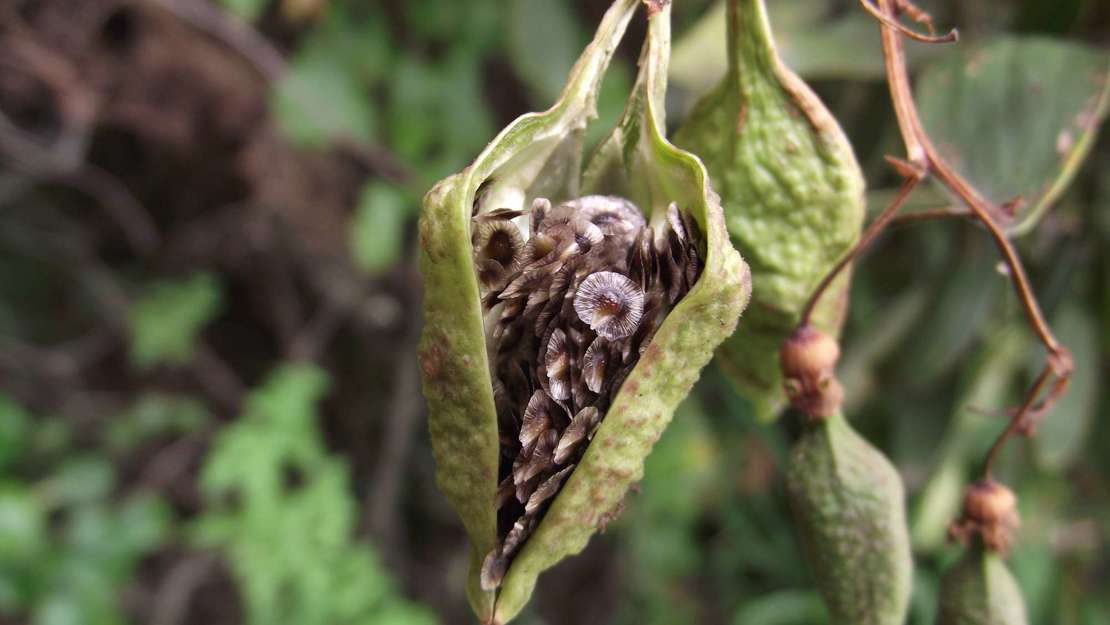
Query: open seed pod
(792, 193)
(553, 355)
(848, 505)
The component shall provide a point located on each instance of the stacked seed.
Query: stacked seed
(568, 313)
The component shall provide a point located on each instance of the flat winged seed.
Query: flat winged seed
(546, 490)
(493, 570)
(578, 429)
(610, 303)
(501, 241)
(593, 364)
(506, 214)
(491, 273)
(557, 361)
(569, 311)
(540, 459)
(537, 419)
(674, 218)
(586, 234)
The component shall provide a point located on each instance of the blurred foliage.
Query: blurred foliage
(278, 488)
(281, 507)
(68, 544)
(167, 317)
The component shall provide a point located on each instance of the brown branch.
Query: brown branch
(912, 179)
(922, 152)
(950, 36)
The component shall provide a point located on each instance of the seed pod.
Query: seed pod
(550, 374)
(792, 193)
(849, 509)
(980, 590)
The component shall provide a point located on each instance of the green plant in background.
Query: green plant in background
(67, 546)
(280, 507)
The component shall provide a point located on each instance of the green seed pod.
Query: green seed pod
(792, 193)
(849, 508)
(980, 590)
(567, 313)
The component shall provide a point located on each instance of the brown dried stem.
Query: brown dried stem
(924, 159)
(873, 229)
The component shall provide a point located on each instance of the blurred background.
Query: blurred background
(210, 409)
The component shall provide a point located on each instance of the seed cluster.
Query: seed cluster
(568, 312)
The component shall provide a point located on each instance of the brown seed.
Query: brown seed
(557, 361)
(593, 367)
(546, 490)
(580, 427)
(610, 303)
(536, 419)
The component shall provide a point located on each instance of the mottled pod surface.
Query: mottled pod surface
(569, 309)
(980, 590)
(848, 505)
(792, 194)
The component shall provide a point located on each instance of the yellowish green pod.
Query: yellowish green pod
(849, 509)
(540, 155)
(792, 194)
(980, 590)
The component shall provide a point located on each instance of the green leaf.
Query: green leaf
(326, 94)
(15, 429)
(543, 43)
(249, 10)
(378, 227)
(280, 507)
(154, 414)
(82, 479)
(792, 193)
(1017, 117)
(1062, 434)
(168, 316)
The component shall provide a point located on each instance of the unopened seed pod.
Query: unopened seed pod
(792, 192)
(849, 510)
(980, 590)
(568, 310)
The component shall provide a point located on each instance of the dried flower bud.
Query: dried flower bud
(808, 353)
(808, 357)
(561, 330)
(989, 513)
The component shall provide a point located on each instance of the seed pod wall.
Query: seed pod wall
(792, 191)
(846, 497)
(569, 309)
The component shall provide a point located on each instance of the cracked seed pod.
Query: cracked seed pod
(568, 310)
(980, 590)
(792, 191)
(849, 509)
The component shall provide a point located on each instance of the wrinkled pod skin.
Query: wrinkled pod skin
(793, 195)
(980, 590)
(540, 156)
(849, 510)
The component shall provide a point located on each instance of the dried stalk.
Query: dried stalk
(924, 159)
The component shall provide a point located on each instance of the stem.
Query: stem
(923, 153)
(1018, 419)
(868, 236)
